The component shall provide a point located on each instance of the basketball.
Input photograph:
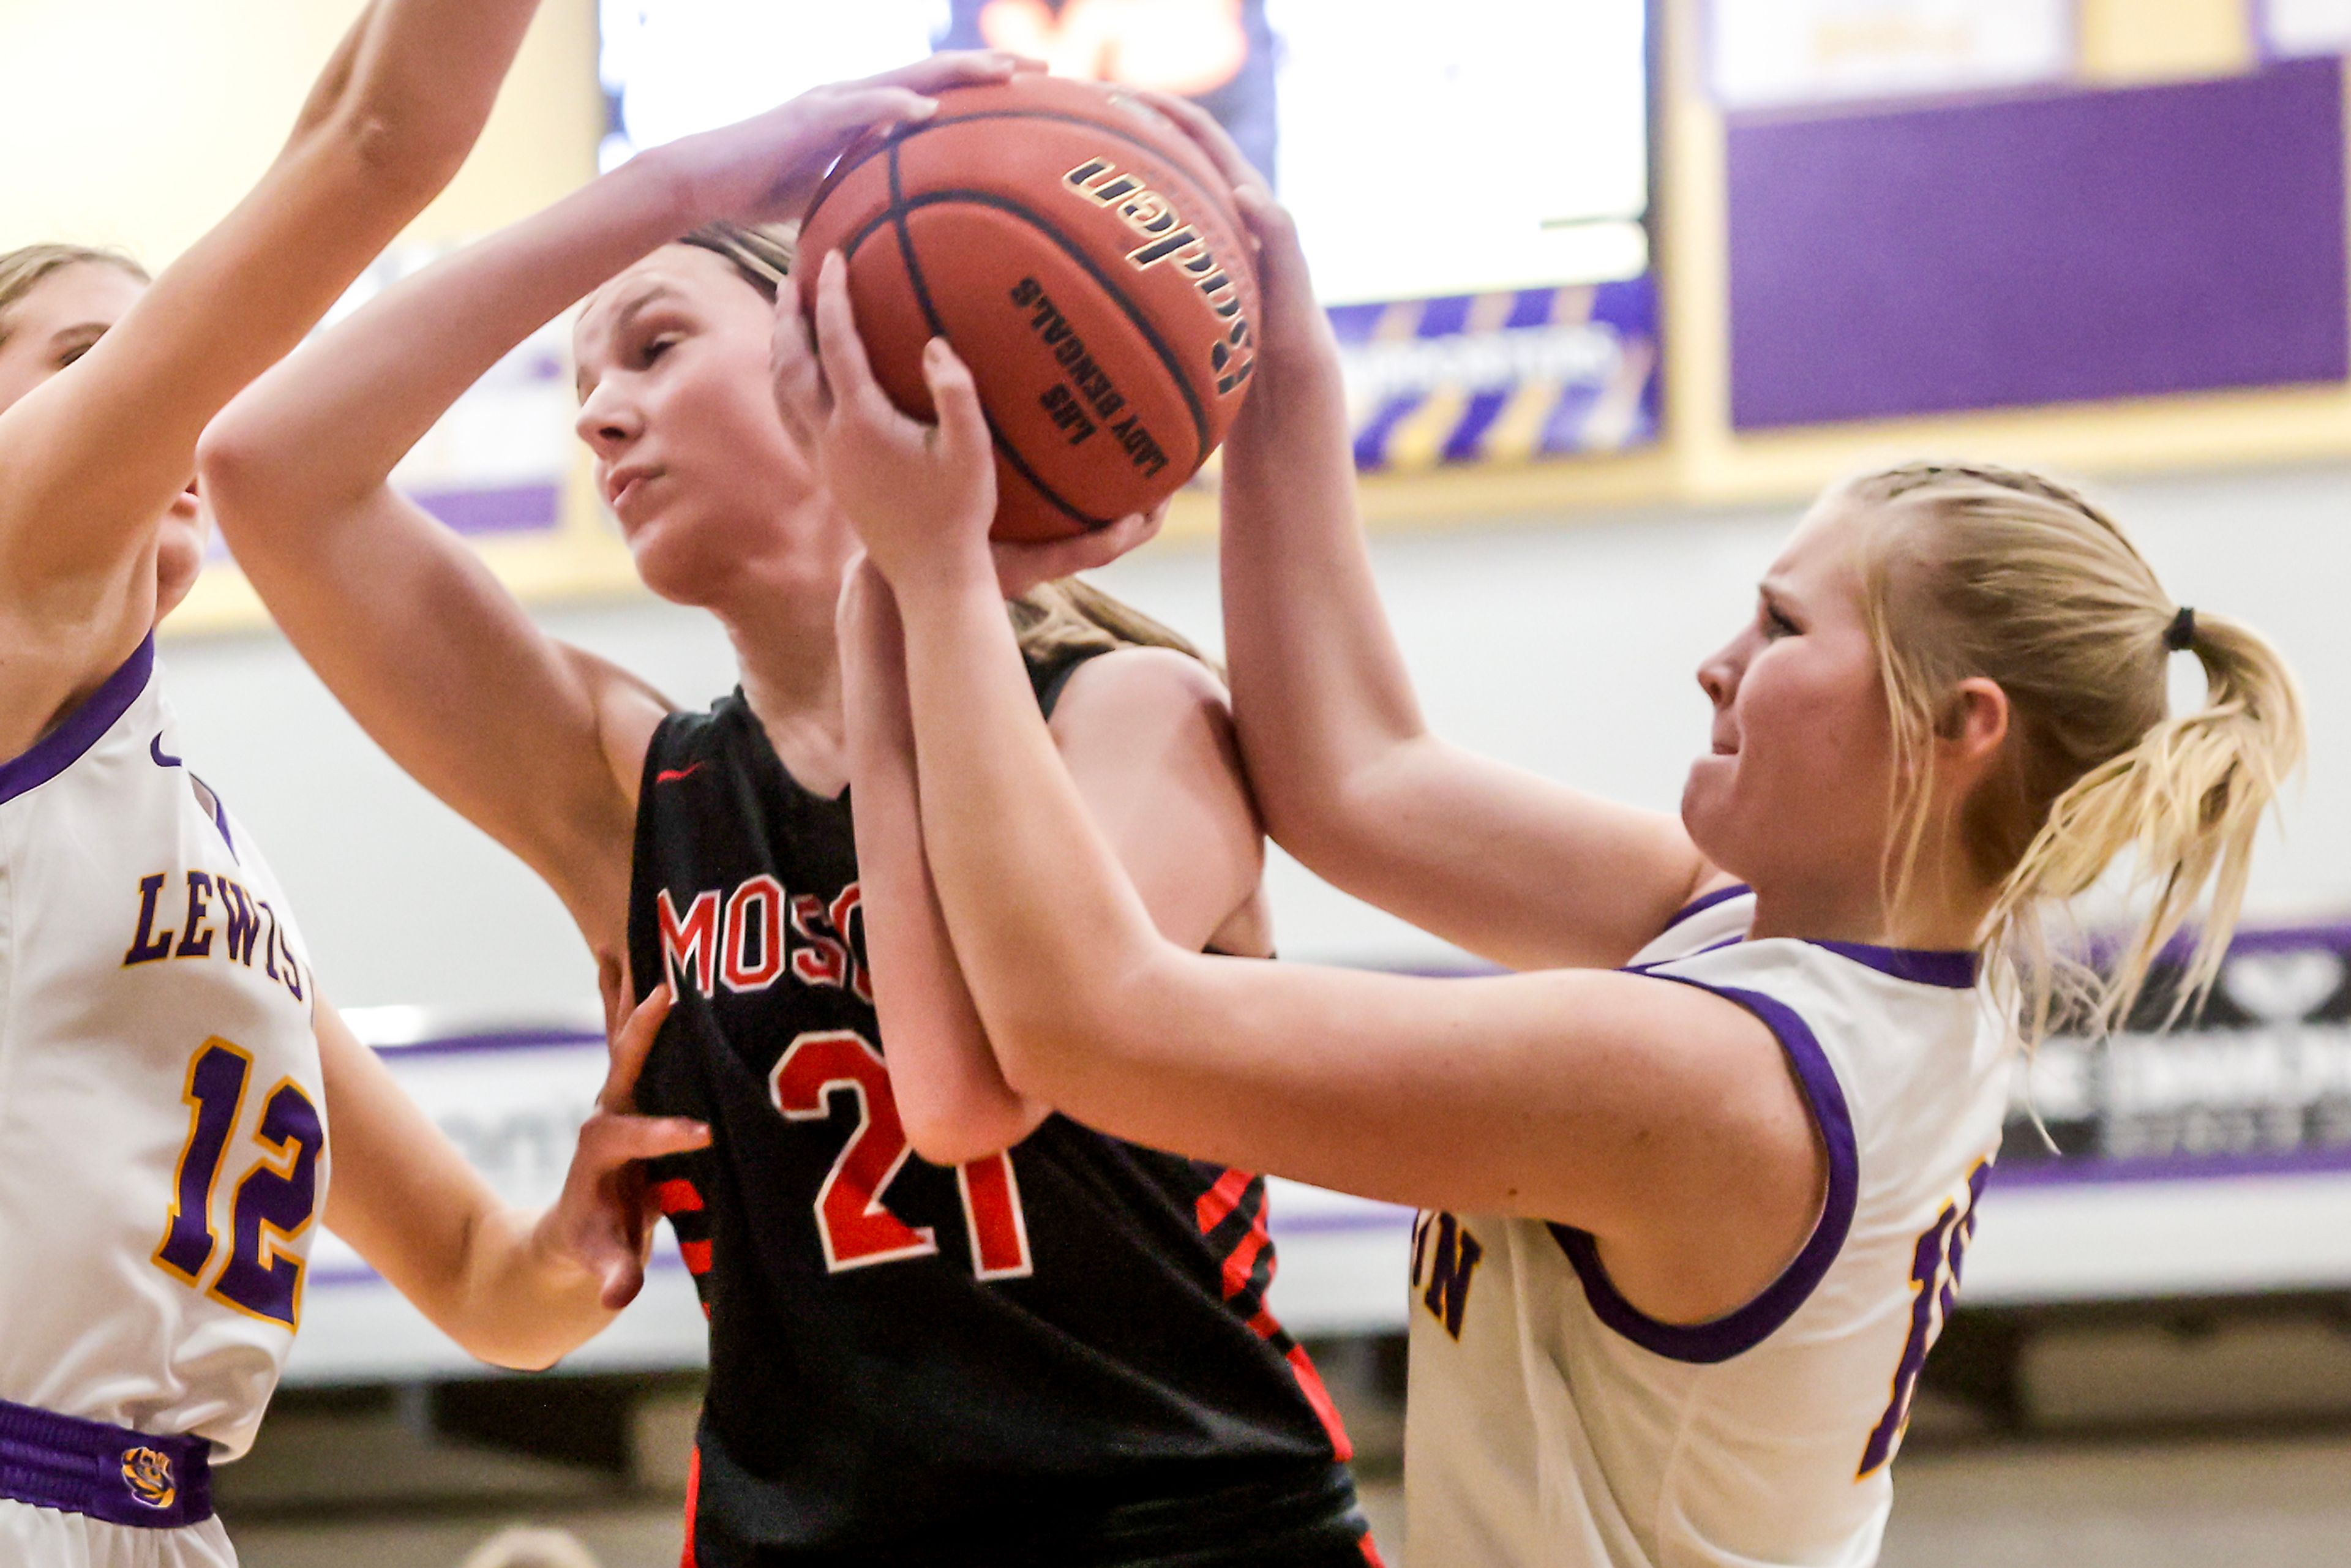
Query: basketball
(1083, 258)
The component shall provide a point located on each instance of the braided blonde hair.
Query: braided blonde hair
(1983, 571)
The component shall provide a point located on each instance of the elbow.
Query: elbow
(1050, 1054)
(396, 147)
(234, 467)
(403, 146)
(1317, 826)
(518, 1358)
(953, 1135)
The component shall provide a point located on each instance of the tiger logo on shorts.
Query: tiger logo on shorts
(148, 1474)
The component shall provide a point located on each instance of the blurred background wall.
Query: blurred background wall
(2104, 237)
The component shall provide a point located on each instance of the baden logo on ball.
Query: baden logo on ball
(1128, 344)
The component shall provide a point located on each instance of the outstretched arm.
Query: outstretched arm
(513, 1287)
(1661, 1118)
(90, 460)
(537, 743)
(1349, 775)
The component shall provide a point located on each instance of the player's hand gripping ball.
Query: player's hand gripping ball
(1083, 256)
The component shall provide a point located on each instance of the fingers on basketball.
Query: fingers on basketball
(1201, 128)
(839, 351)
(963, 424)
(956, 67)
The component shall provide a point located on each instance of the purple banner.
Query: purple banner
(2040, 248)
(1538, 372)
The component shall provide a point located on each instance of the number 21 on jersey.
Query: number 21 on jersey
(274, 1200)
(856, 1226)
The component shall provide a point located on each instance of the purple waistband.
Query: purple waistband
(108, 1473)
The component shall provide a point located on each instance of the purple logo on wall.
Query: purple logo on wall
(2259, 1082)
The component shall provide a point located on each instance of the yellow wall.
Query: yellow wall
(141, 122)
(2160, 40)
(150, 119)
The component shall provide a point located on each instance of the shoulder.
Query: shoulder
(1141, 687)
(630, 713)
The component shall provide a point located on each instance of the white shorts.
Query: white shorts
(44, 1538)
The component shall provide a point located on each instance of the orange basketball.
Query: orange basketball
(1083, 256)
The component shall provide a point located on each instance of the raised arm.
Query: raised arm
(537, 743)
(1660, 1118)
(90, 460)
(1347, 772)
(514, 1287)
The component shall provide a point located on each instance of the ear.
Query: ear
(1972, 726)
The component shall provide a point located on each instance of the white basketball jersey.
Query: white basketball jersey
(161, 1118)
(1551, 1423)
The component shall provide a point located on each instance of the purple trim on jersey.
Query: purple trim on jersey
(220, 818)
(107, 1473)
(1700, 905)
(63, 747)
(1741, 1330)
(1950, 967)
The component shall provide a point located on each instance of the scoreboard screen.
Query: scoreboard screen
(1427, 151)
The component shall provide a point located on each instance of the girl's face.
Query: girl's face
(676, 402)
(56, 324)
(1794, 797)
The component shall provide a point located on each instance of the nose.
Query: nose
(1719, 675)
(608, 421)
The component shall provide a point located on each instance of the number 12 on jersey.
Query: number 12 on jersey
(275, 1201)
(857, 1228)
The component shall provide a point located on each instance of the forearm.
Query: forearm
(422, 1217)
(418, 79)
(1322, 699)
(517, 1299)
(950, 1090)
(1043, 918)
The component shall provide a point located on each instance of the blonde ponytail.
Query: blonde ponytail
(1979, 572)
(1054, 620)
(2189, 800)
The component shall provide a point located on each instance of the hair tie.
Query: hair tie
(2181, 635)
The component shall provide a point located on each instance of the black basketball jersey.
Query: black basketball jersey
(1060, 1354)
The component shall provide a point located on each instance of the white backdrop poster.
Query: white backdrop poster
(1506, 146)
(1771, 53)
(2290, 27)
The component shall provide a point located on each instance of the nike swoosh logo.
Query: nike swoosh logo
(671, 775)
(155, 750)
